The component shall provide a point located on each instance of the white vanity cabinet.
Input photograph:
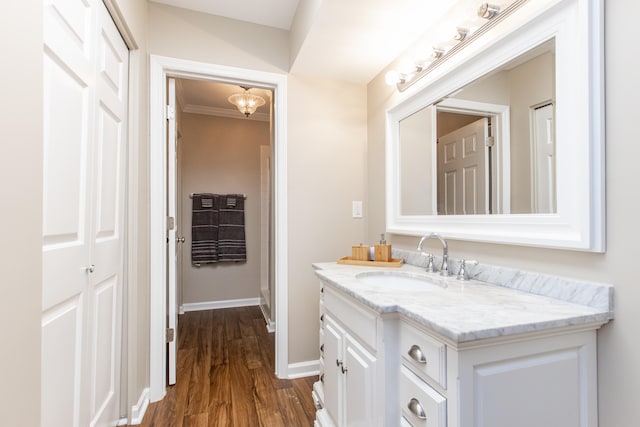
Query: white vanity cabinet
(382, 367)
(351, 389)
(532, 380)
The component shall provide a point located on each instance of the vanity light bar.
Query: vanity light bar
(488, 11)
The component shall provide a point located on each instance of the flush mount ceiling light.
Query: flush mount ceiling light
(447, 43)
(246, 101)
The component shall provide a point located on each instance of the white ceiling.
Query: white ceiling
(207, 97)
(348, 40)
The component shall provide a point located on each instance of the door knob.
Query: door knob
(180, 239)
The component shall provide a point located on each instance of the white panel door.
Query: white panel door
(110, 125)
(360, 384)
(84, 109)
(544, 161)
(462, 171)
(333, 386)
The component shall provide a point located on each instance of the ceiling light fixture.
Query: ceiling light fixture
(246, 102)
(446, 43)
(488, 11)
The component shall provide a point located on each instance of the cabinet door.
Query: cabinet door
(360, 386)
(332, 370)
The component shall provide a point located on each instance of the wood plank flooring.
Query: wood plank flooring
(225, 376)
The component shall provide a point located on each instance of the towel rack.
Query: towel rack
(244, 196)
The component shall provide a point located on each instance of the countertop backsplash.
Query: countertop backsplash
(596, 295)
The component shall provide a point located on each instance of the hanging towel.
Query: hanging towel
(204, 229)
(231, 235)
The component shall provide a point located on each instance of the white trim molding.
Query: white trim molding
(160, 68)
(304, 369)
(223, 112)
(214, 305)
(140, 408)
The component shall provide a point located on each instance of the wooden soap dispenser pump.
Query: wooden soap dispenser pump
(382, 251)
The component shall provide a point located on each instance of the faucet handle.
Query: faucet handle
(462, 273)
(431, 268)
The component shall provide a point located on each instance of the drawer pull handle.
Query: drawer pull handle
(416, 354)
(416, 408)
(322, 349)
(322, 318)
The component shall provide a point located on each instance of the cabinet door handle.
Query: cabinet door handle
(338, 363)
(416, 408)
(416, 354)
(343, 369)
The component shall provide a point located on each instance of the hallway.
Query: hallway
(225, 376)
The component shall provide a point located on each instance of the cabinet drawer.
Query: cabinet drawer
(420, 404)
(361, 322)
(423, 353)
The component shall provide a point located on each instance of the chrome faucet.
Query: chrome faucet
(444, 268)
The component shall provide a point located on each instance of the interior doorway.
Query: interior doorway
(162, 68)
(216, 150)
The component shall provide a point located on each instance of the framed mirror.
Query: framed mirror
(504, 142)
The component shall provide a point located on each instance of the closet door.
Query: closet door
(85, 98)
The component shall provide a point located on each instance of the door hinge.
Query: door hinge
(171, 112)
(171, 222)
(490, 141)
(171, 333)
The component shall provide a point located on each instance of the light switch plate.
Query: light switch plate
(356, 209)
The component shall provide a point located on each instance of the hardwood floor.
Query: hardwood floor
(225, 376)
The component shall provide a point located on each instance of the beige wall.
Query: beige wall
(222, 155)
(134, 14)
(21, 213)
(184, 34)
(326, 143)
(326, 166)
(618, 346)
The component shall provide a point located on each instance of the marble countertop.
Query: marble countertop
(460, 311)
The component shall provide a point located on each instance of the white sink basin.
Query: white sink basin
(400, 280)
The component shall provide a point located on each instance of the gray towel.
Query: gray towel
(204, 229)
(231, 235)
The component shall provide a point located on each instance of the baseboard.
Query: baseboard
(212, 305)
(271, 325)
(303, 369)
(138, 410)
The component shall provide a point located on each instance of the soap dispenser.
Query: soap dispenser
(382, 250)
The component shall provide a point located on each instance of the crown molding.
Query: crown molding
(223, 112)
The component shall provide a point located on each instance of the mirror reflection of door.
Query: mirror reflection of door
(463, 170)
(543, 158)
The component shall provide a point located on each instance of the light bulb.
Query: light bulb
(392, 78)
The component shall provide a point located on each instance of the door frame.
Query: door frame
(161, 67)
(501, 157)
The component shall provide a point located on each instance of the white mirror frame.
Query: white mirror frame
(578, 29)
